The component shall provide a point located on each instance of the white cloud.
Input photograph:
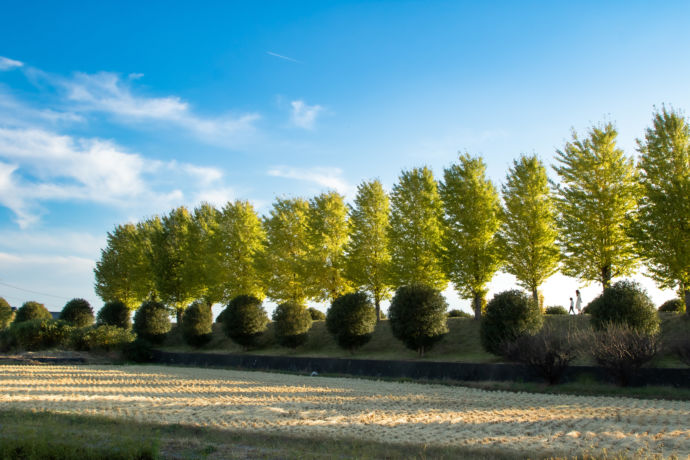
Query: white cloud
(325, 177)
(303, 115)
(9, 64)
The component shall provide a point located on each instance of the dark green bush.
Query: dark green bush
(316, 315)
(115, 313)
(32, 310)
(509, 315)
(626, 302)
(292, 322)
(6, 314)
(418, 316)
(78, 313)
(673, 305)
(458, 314)
(138, 351)
(197, 324)
(221, 316)
(351, 319)
(622, 350)
(39, 334)
(152, 321)
(104, 338)
(244, 320)
(555, 310)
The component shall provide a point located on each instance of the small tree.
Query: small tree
(6, 314)
(509, 315)
(152, 321)
(77, 312)
(244, 320)
(624, 303)
(32, 310)
(197, 324)
(622, 350)
(292, 322)
(351, 319)
(115, 313)
(418, 316)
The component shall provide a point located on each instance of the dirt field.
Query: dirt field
(334, 407)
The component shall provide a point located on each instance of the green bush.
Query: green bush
(626, 302)
(39, 334)
(32, 310)
(673, 305)
(138, 351)
(509, 315)
(316, 315)
(77, 312)
(6, 314)
(115, 313)
(418, 316)
(197, 324)
(152, 321)
(244, 320)
(104, 337)
(221, 316)
(555, 310)
(458, 314)
(351, 319)
(292, 322)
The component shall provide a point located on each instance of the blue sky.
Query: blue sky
(115, 111)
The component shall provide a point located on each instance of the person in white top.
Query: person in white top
(578, 302)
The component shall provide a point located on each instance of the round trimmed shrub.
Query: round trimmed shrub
(244, 320)
(6, 314)
(115, 313)
(351, 319)
(624, 303)
(292, 322)
(418, 316)
(509, 316)
(152, 321)
(197, 324)
(32, 310)
(458, 314)
(316, 315)
(673, 305)
(555, 310)
(78, 313)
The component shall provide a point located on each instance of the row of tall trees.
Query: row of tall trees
(604, 216)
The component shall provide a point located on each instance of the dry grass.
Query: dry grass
(321, 407)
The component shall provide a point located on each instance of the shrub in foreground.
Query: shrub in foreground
(624, 303)
(138, 351)
(102, 338)
(509, 315)
(622, 350)
(292, 322)
(555, 310)
(197, 324)
(418, 316)
(6, 314)
(244, 320)
(115, 313)
(152, 321)
(351, 319)
(32, 310)
(39, 334)
(78, 313)
(673, 305)
(316, 315)
(459, 314)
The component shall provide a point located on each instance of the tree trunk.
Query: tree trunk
(535, 296)
(178, 316)
(377, 303)
(687, 301)
(605, 277)
(477, 305)
(421, 351)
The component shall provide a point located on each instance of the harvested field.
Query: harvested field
(348, 408)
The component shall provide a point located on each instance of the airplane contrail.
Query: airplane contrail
(287, 58)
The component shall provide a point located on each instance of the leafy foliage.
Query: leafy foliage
(673, 305)
(596, 200)
(39, 334)
(104, 337)
(31, 310)
(204, 259)
(622, 350)
(458, 314)
(509, 315)
(472, 218)
(292, 322)
(77, 312)
(416, 230)
(316, 315)
(418, 316)
(152, 321)
(244, 320)
(197, 324)
(114, 313)
(624, 303)
(6, 314)
(556, 310)
(351, 319)
(138, 351)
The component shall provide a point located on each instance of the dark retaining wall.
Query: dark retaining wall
(426, 370)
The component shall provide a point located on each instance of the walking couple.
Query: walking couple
(577, 305)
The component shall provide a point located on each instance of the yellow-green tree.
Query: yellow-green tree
(528, 232)
(368, 259)
(472, 219)
(596, 202)
(283, 260)
(662, 229)
(204, 257)
(241, 240)
(327, 236)
(416, 231)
